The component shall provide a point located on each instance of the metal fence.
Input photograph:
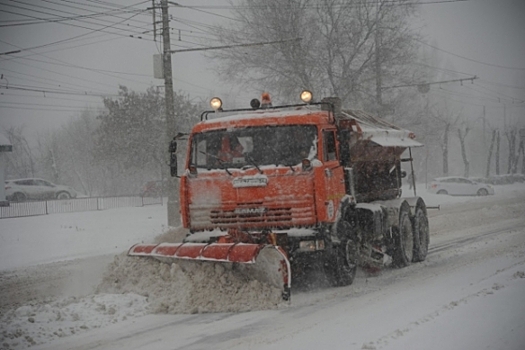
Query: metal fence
(20, 209)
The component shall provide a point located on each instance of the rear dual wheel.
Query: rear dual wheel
(421, 235)
(403, 239)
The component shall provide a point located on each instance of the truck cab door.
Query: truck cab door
(332, 179)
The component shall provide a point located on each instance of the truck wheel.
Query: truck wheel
(421, 235)
(341, 271)
(403, 239)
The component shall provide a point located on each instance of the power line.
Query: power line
(342, 5)
(60, 19)
(484, 99)
(107, 14)
(7, 104)
(55, 91)
(471, 79)
(497, 93)
(469, 59)
(15, 94)
(66, 75)
(69, 39)
(503, 85)
(44, 109)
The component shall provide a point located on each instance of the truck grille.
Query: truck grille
(293, 213)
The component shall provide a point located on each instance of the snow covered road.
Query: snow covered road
(468, 294)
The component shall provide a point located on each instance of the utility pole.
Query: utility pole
(484, 122)
(173, 209)
(379, 96)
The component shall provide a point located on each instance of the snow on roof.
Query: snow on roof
(372, 128)
(261, 113)
(380, 131)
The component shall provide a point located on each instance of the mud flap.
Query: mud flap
(264, 262)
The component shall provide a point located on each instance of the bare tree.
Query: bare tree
(497, 152)
(67, 154)
(21, 162)
(446, 121)
(466, 162)
(511, 139)
(491, 148)
(343, 47)
(521, 150)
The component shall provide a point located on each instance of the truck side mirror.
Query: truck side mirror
(173, 158)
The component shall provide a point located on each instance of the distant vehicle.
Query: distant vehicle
(459, 186)
(18, 190)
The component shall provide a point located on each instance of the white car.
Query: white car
(459, 186)
(18, 190)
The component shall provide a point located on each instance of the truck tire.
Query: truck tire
(403, 251)
(421, 235)
(341, 271)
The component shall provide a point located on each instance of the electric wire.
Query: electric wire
(342, 5)
(469, 59)
(75, 37)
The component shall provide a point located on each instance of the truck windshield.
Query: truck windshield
(255, 146)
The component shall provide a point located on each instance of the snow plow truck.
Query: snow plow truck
(283, 190)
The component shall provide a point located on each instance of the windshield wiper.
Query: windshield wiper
(252, 162)
(221, 162)
(287, 165)
(287, 162)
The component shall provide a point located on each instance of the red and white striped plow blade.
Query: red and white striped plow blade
(265, 262)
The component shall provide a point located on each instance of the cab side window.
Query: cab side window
(329, 147)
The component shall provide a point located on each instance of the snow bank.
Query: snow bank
(188, 287)
(31, 325)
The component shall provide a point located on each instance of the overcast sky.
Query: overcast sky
(485, 38)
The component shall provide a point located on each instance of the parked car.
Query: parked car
(18, 190)
(459, 186)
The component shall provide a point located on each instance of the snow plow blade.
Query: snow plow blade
(264, 262)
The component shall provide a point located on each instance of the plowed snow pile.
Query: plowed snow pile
(40, 323)
(188, 287)
(133, 287)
